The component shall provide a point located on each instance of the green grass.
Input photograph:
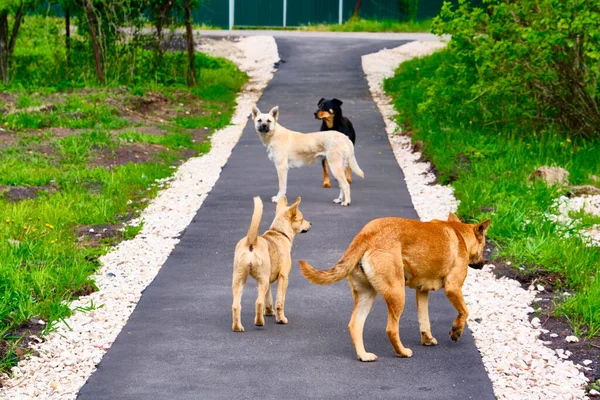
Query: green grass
(371, 25)
(489, 166)
(42, 264)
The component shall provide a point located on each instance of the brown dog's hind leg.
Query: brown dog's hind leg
(269, 311)
(394, 298)
(349, 174)
(456, 298)
(263, 287)
(326, 181)
(281, 289)
(236, 308)
(364, 297)
(423, 313)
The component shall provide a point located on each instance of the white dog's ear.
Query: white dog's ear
(275, 112)
(255, 112)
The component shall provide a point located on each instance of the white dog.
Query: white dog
(289, 149)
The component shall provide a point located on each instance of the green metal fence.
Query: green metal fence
(277, 13)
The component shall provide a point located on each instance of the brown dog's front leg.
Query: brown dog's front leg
(326, 181)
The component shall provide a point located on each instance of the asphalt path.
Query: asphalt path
(178, 343)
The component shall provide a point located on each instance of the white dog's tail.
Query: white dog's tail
(354, 166)
(255, 222)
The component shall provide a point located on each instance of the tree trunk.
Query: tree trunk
(90, 17)
(190, 43)
(68, 37)
(357, 9)
(15, 30)
(4, 46)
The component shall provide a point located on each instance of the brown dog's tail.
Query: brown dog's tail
(354, 166)
(342, 269)
(255, 222)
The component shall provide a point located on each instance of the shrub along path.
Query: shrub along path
(178, 342)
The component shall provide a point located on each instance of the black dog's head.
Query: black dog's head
(328, 109)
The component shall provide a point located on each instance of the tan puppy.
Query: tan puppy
(391, 253)
(290, 149)
(267, 259)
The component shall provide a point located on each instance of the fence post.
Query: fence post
(231, 13)
(284, 13)
(341, 12)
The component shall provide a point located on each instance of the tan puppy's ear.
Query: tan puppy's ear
(274, 112)
(294, 207)
(481, 228)
(453, 218)
(281, 203)
(255, 112)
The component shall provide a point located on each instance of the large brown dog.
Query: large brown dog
(267, 259)
(391, 253)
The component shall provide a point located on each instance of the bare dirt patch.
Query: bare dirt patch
(95, 235)
(130, 153)
(558, 327)
(17, 193)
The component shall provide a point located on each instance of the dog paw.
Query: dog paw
(345, 204)
(275, 199)
(326, 184)
(429, 342)
(367, 357)
(259, 321)
(282, 320)
(337, 201)
(269, 312)
(238, 328)
(456, 333)
(406, 353)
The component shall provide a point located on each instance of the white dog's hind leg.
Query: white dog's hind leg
(340, 176)
(340, 198)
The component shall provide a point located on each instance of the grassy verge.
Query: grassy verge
(77, 162)
(489, 166)
(360, 25)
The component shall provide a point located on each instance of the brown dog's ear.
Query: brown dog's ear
(453, 218)
(275, 112)
(481, 228)
(255, 112)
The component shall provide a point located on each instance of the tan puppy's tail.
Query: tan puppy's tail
(340, 270)
(255, 222)
(354, 166)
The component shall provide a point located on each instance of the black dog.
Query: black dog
(330, 112)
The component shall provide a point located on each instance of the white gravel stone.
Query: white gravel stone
(572, 339)
(517, 362)
(68, 357)
(586, 362)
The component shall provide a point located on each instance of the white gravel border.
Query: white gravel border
(517, 362)
(68, 357)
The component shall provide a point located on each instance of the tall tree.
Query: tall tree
(8, 36)
(89, 11)
(189, 35)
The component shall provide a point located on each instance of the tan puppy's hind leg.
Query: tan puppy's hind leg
(364, 297)
(263, 287)
(269, 311)
(326, 181)
(349, 174)
(281, 289)
(236, 309)
(423, 312)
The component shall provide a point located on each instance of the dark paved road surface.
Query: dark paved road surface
(178, 343)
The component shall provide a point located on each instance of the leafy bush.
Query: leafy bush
(526, 61)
